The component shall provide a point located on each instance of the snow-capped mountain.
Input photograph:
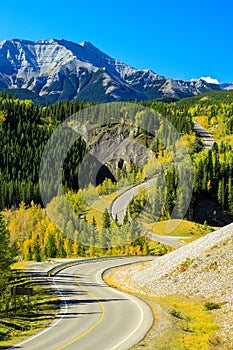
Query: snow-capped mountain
(60, 69)
(226, 86)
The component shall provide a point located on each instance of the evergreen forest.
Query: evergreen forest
(25, 129)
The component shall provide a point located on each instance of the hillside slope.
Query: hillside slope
(168, 263)
(202, 270)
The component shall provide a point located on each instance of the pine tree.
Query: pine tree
(6, 254)
(51, 249)
(230, 196)
(126, 218)
(221, 197)
(106, 219)
(37, 254)
(61, 253)
(94, 224)
(117, 221)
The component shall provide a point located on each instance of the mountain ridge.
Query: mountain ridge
(59, 69)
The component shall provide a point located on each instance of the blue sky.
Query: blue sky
(179, 39)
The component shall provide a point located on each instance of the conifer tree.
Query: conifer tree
(106, 219)
(7, 254)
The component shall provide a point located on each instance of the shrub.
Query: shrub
(176, 313)
(212, 306)
(185, 265)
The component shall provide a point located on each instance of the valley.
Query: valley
(151, 177)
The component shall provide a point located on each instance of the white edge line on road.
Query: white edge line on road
(100, 280)
(50, 326)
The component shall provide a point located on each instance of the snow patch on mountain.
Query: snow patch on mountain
(61, 69)
(210, 80)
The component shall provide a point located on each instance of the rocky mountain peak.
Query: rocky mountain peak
(60, 69)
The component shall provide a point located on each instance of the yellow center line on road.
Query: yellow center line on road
(99, 320)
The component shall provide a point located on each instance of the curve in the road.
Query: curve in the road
(207, 138)
(119, 207)
(92, 295)
(94, 315)
(120, 203)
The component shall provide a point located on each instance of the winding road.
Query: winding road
(93, 315)
(207, 138)
(120, 204)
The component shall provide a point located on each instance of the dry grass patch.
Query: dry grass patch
(184, 229)
(97, 208)
(20, 265)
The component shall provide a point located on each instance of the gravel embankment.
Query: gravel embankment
(165, 264)
(203, 268)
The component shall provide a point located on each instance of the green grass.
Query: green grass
(184, 229)
(16, 326)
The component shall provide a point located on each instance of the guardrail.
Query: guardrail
(52, 272)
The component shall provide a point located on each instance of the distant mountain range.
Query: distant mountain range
(53, 70)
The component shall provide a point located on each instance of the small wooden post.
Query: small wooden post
(15, 303)
(28, 302)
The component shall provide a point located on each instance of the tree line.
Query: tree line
(38, 238)
(24, 131)
(26, 128)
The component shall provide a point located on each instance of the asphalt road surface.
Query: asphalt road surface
(207, 138)
(120, 204)
(172, 241)
(93, 315)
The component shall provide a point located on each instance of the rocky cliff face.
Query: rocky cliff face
(112, 146)
(59, 69)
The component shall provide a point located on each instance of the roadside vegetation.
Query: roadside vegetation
(212, 191)
(37, 238)
(25, 129)
(19, 323)
(17, 318)
(181, 322)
